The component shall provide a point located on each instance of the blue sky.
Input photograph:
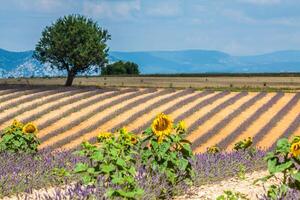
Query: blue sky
(239, 27)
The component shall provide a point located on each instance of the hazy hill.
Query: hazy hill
(17, 64)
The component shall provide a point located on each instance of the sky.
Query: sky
(238, 27)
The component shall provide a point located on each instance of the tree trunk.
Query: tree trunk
(70, 79)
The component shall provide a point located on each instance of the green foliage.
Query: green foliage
(213, 149)
(243, 144)
(171, 156)
(242, 172)
(73, 43)
(60, 174)
(120, 67)
(230, 195)
(15, 138)
(284, 160)
(114, 159)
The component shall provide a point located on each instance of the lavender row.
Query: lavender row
(37, 95)
(153, 106)
(176, 107)
(156, 105)
(289, 131)
(22, 110)
(56, 105)
(16, 94)
(7, 91)
(231, 137)
(200, 105)
(78, 107)
(141, 112)
(86, 116)
(19, 174)
(100, 121)
(210, 114)
(275, 119)
(216, 129)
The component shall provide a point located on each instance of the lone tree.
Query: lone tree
(121, 67)
(73, 43)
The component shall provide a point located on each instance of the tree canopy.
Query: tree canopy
(73, 43)
(120, 67)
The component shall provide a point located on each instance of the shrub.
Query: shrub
(213, 149)
(284, 160)
(165, 150)
(19, 138)
(113, 160)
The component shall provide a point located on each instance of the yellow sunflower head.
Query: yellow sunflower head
(29, 128)
(181, 127)
(213, 149)
(104, 135)
(161, 126)
(17, 124)
(295, 149)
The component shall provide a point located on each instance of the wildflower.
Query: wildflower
(181, 127)
(213, 149)
(295, 149)
(162, 126)
(17, 124)
(104, 135)
(29, 128)
(133, 139)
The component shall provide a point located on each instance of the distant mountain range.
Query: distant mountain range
(21, 64)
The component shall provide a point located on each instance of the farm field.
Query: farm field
(67, 116)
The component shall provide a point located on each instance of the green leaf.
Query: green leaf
(284, 166)
(296, 176)
(81, 167)
(107, 168)
(283, 145)
(121, 162)
(97, 156)
(272, 165)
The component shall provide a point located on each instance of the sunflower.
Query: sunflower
(181, 127)
(162, 126)
(29, 128)
(17, 124)
(104, 135)
(295, 149)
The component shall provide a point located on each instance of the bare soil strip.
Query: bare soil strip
(234, 124)
(124, 116)
(75, 118)
(59, 114)
(278, 131)
(194, 109)
(17, 96)
(154, 107)
(19, 109)
(276, 126)
(24, 117)
(76, 133)
(262, 120)
(90, 132)
(222, 119)
(145, 110)
(169, 110)
(78, 107)
(223, 144)
(205, 116)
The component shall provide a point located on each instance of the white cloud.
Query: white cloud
(116, 10)
(41, 5)
(164, 9)
(261, 2)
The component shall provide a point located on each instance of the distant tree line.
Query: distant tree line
(119, 68)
